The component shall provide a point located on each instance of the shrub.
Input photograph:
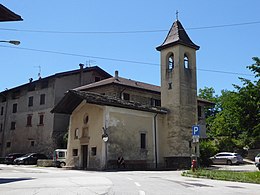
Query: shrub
(207, 149)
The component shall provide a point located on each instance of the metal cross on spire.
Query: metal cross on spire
(177, 15)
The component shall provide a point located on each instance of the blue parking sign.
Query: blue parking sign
(196, 130)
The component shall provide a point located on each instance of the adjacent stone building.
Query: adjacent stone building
(150, 126)
(26, 124)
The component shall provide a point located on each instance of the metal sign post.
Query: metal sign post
(195, 139)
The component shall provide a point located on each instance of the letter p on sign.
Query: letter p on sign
(196, 130)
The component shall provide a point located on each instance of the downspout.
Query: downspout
(155, 140)
(4, 126)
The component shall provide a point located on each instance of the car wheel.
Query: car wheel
(62, 164)
(259, 168)
(229, 162)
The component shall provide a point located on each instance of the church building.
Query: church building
(149, 126)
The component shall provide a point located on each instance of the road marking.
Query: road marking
(137, 184)
(130, 178)
(141, 192)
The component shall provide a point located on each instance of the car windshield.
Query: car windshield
(26, 155)
(258, 155)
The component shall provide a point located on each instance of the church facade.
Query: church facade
(150, 126)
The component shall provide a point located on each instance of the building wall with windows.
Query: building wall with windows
(132, 140)
(26, 124)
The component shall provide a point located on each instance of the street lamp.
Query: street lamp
(105, 139)
(12, 42)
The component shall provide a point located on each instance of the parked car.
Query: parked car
(29, 159)
(59, 157)
(257, 161)
(228, 158)
(9, 159)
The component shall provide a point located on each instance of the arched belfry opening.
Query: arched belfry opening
(186, 61)
(170, 62)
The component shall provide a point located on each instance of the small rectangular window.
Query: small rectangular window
(29, 121)
(13, 124)
(126, 96)
(30, 102)
(2, 110)
(143, 140)
(199, 112)
(155, 102)
(14, 108)
(169, 85)
(93, 151)
(32, 143)
(42, 99)
(1, 127)
(41, 117)
(8, 144)
(75, 152)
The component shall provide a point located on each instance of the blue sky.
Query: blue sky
(227, 49)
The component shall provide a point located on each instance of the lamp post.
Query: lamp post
(11, 42)
(105, 139)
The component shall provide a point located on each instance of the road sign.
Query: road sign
(195, 139)
(195, 130)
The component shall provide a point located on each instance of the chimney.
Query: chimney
(81, 66)
(30, 80)
(81, 74)
(116, 74)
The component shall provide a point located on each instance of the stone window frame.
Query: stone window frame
(93, 150)
(76, 133)
(32, 143)
(170, 62)
(143, 140)
(15, 106)
(186, 61)
(86, 118)
(41, 119)
(30, 101)
(29, 120)
(42, 99)
(8, 144)
(13, 125)
(74, 152)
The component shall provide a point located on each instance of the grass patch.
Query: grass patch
(247, 177)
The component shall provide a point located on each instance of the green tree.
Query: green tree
(249, 107)
(234, 122)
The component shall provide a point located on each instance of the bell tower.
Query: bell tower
(178, 91)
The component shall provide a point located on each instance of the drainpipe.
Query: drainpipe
(4, 125)
(155, 140)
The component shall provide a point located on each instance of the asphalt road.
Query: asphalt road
(30, 180)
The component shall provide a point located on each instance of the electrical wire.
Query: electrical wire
(116, 59)
(127, 32)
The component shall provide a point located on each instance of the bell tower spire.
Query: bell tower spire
(178, 91)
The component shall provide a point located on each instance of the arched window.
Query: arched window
(85, 119)
(186, 61)
(171, 62)
(76, 134)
